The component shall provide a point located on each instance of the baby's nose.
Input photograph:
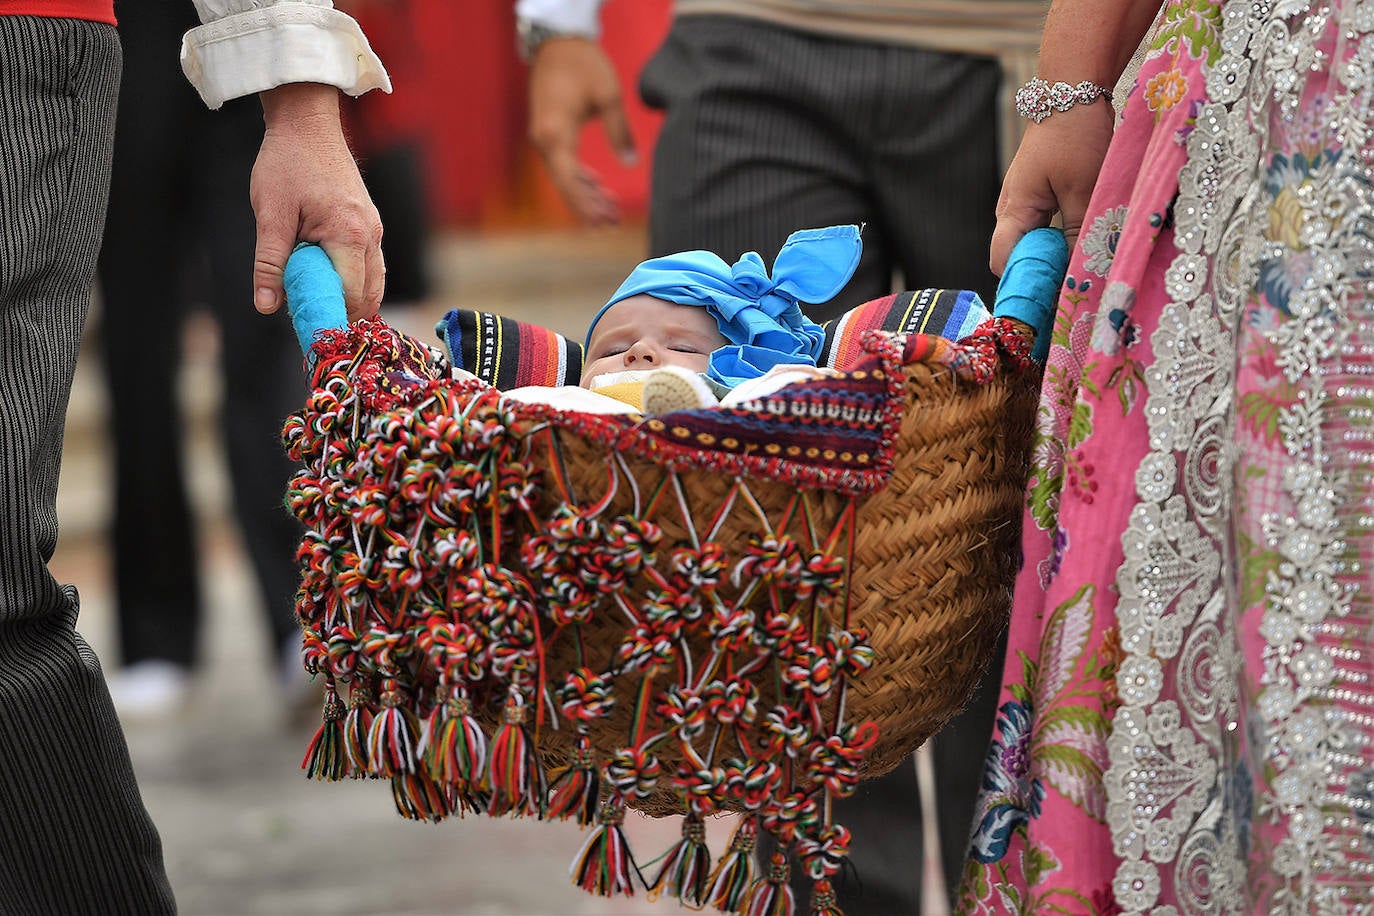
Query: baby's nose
(641, 352)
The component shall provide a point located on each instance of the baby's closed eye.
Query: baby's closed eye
(609, 349)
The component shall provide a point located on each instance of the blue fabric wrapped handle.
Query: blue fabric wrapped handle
(314, 294)
(1029, 289)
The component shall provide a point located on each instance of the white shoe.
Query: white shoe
(150, 689)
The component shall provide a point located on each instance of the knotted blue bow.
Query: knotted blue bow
(760, 315)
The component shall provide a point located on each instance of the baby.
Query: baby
(711, 326)
(644, 332)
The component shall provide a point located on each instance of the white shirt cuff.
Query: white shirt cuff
(246, 52)
(574, 17)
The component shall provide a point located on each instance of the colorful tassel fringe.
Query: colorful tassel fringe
(603, 866)
(357, 725)
(735, 872)
(514, 776)
(327, 758)
(823, 901)
(772, 896)
(418, 797)
(394, 736)
(687, 869)
(575, 793)
(456, 753)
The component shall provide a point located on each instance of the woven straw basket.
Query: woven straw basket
(523, 610)
(520, 609)
(934, 556)
(924, 542)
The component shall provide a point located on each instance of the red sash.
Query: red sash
(95, 10)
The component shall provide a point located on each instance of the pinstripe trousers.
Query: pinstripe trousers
(74, 835)
(768, 130)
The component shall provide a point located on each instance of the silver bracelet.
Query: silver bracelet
(1037, 99)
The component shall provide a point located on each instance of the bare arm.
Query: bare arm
(1056, 165)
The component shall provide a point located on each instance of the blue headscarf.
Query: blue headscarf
(760, 315)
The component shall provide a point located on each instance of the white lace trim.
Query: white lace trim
(1171, 783)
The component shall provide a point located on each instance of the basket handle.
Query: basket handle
(314, 295)
(1029, 289)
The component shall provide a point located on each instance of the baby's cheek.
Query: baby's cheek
(697, 362)
(591, 370)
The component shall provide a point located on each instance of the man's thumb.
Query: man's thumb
(269, 262)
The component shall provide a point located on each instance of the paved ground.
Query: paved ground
(243, 830)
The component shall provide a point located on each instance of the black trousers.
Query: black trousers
(180, 230)
(74, 835)
(769, 130)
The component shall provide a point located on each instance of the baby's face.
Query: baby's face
(642, 332)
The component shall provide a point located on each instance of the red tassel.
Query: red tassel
(576, 792)
(734, 873)
(823, 901)
(356, 726)
(687, 869)
(773, 896)
(418, 797)
(394, 736)
(514, 776)
(603, 865)
(326, 758)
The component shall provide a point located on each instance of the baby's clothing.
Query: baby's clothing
(694, 389)
(757, 313)
(655, 392)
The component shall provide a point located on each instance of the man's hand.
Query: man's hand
(1054, 171)
(572, 82)
(306, 187)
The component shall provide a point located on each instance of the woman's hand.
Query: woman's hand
(306, 187)
(1054, 171)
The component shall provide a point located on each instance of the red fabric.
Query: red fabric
(469, 101)
(94, 10)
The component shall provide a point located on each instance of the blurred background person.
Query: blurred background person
(787, 114)
(179, 233)
(782, 113)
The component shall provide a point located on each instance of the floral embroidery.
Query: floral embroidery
(1049, 567)
(1290, 265)
(1113, 329)
(1061, 751)
(1297, 230)
(1099, 241)
(1191, 26)
(1259, 410)
(1063, 418)
(1012, 797)
(1165, 90)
